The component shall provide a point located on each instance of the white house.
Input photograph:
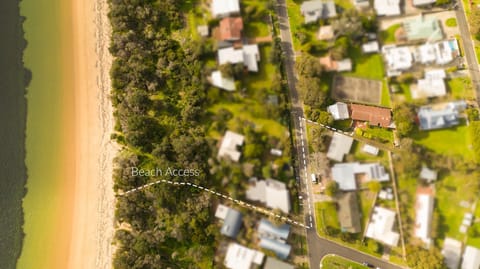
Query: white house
(452, 251)
(221, 82)
(339, 147)
(318, 9)
(471, 258)
(423, 2)
(224, 8)
(397, 58)
(339, 111)
(380, 227)
(433, 85)
(271, 192)
(440, 53)
(387, 7)
(249, 55)
(345, 174)
(240, 257)
(229, 146)
(423, 212)
(371, 47)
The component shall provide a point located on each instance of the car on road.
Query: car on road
(368, 265)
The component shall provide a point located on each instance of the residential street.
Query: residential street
(469, 48)
(317, 247)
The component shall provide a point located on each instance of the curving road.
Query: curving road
(317, 247)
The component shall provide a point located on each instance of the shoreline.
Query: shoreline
(94, 202)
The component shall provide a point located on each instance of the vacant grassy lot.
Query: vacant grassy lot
(296, 20)
(368, 66)
(450, 142)
(451, 191)
(461, 88)
(326, 217)
(338, 262)
(385, 101)
(266, 75)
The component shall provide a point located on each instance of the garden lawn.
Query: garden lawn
(266, 74)
(257, 26)
(385, 101)
(388, 36)
(451, 22)
(326, 216)
(366, 66)
(461, 88)
(365, 157)
(475, 240)
(296, 21)
(338, 262)
(345, 4)
(366, 203)
(450, 192)
(247, 112)
(450, 142)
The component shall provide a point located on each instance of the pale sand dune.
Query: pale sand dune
(94, 201)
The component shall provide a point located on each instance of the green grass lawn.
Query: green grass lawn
(338, 262)
(385, 101)
(475, 240)
(451, 22)
(388, 36)
(366, 198)
(256, 27)
(345, 4)
(450, 191)
(326, 216)
(296, 21)
(450, 142)
(461, 88)
(361, 156)
(366, 66)
(376, 133)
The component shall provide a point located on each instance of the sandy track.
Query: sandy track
(94, 201)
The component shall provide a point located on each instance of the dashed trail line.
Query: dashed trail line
(239, 202)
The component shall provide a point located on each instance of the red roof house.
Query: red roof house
(231, 29)
(377, 116)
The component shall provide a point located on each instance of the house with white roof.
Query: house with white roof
(433, 85)
(229, 146)
(225, 8)
(440, 116)
(371, 47)
(339, 147)
(397, 58)
(423, 2)
(428, 174)
(424, 212)
(346, 174)
(325, 33)
(471, 258)
(240, 257)
(387, 7)
(370, 149)
(339, 111)
(273, 193)
(380, 227)
(440, 53)
(318, 9)
(452, 251)
(249, 55)
(219, 81)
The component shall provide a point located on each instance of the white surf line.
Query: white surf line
(239, 202)
(309, 202)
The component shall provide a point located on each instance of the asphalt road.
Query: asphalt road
(468, 47)
(317, 247)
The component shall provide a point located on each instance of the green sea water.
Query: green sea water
(49, 116)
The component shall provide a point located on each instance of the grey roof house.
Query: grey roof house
(339, 147)
(318, 9)
(282, 250)
(273, 238)
(232, 220)
(272, 192)
(339, 111)
(273, 263)
(441, 115)
(345, 174)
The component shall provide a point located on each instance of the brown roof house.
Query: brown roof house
(329, 64)
(377, 116)
(230, 29)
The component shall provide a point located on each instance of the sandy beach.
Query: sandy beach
(94, 202)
